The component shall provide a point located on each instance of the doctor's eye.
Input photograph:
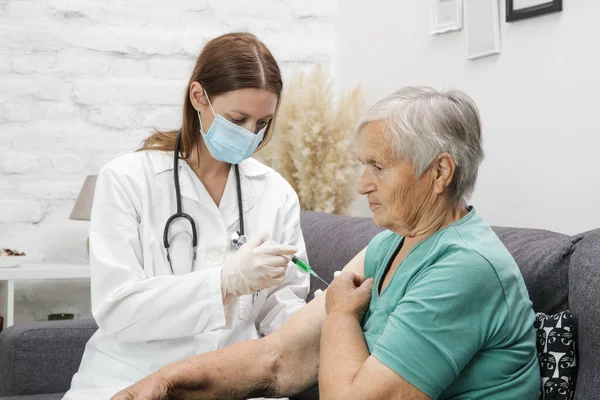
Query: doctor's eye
(238, 121)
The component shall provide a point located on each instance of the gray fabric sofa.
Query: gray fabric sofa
(561, 272)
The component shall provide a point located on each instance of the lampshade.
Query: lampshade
(83, 206)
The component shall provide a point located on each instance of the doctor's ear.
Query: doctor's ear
(198, 97)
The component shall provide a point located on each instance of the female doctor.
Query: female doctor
(171, 275)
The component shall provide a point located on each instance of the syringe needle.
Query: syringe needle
(321, 279)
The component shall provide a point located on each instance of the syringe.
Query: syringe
(306, 268)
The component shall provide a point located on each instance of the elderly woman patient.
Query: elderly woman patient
(434, 308)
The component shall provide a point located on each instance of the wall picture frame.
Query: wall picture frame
(445, 16)
(482, 25)
(522, 9)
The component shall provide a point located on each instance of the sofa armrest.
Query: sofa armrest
(41, 358)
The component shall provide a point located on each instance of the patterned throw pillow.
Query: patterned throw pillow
(556, 338)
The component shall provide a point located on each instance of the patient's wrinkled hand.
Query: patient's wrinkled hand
(349, 293)
(153, 387)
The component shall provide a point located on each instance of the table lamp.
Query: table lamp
(83, 205)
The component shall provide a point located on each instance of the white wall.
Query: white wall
(539, 100)
(82, 81)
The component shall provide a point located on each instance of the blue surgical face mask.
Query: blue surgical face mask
(227, 141)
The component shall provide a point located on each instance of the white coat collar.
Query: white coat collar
(163, 161)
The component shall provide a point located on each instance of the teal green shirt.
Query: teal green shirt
(455, 320)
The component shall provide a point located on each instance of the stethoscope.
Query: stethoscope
(237, 239)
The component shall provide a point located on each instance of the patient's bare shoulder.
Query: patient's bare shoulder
(357, 264)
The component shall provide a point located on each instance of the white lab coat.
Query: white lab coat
(149, 317)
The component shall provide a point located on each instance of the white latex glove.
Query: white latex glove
(255, 266)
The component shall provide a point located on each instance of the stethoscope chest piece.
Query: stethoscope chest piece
(237, 240)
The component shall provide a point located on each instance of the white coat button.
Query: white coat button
(213, 255)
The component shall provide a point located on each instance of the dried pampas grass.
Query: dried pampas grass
(313, 142)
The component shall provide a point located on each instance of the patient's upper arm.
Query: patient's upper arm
(376, 380)
(357, 264)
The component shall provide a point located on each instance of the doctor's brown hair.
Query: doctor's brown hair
(229, 62)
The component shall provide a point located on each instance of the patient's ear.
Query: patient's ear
(443, 168)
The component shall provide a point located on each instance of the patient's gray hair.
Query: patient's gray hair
(425, 122)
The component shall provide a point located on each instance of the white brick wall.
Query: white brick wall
(82, 81)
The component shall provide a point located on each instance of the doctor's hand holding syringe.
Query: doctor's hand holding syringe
(260, 264)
